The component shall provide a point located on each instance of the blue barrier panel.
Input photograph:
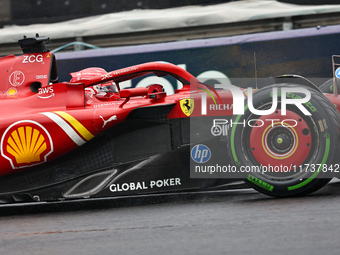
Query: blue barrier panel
(305, 52)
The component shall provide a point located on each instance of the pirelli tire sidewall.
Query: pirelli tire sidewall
(323, 151)
(327, 87)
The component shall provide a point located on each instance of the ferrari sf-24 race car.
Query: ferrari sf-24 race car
(87, 138)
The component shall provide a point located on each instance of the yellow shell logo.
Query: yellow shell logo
(187, 106)
(11, 92)
(26, 145)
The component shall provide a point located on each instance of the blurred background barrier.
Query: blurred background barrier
(241, 58)
(23, 12)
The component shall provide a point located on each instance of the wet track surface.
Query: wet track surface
(232, 222)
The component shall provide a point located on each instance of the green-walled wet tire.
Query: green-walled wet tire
(297, 153)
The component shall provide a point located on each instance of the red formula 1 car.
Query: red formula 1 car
(88, 138)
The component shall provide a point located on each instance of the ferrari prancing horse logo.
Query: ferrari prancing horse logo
(187, 106)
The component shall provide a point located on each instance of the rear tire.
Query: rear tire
(287, 149)
(327, 87)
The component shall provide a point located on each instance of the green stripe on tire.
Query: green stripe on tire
(324, 159)
(232, 139)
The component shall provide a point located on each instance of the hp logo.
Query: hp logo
(200, 153)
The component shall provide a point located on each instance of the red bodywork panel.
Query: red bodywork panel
(17, 74)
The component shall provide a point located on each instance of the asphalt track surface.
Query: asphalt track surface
(231, 222)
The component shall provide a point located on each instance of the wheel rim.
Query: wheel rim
(282, 143)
